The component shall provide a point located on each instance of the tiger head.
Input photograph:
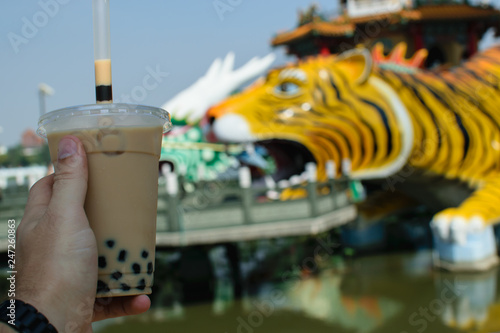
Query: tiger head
(333, 108)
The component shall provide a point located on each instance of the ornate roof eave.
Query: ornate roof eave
(332, 29)
(346, 26)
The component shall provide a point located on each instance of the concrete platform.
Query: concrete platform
(245, 232)
(478, 253)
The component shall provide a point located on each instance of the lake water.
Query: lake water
(289, 289)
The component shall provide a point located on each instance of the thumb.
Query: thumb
(70, 180)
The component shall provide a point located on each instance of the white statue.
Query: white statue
(220, 80)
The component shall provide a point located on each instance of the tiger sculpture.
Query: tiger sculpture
(433, 135)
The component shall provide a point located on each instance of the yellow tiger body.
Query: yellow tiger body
(439, 123)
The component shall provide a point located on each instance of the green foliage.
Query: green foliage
(16, 157)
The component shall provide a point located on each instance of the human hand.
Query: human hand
(57, 251)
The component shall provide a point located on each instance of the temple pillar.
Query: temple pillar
(472, 39)
(416, 35)
(324, 50)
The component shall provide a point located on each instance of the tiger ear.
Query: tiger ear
(356, 64)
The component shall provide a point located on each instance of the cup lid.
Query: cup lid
(95, 110)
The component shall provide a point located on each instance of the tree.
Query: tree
(15, 157)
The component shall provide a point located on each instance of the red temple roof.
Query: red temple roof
(346, 26)
(315, 28)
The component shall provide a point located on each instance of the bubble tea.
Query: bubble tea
(123, 144)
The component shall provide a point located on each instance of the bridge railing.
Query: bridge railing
(214, 205)
(219, 204)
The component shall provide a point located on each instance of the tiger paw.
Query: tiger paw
(450, 225)
(463, 242)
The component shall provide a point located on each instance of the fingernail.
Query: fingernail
(67, 148)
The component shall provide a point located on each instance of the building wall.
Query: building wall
(438, 2)
(358, 8)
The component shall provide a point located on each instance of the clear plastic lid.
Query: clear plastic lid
(103, 115)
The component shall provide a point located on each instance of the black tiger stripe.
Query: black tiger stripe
(348, 142)
(354, 127)
(334, 86)
(429, 111)
(306, 118)
(453, 91)
(398, 89)
(480, 79)
(412, 88)
(298, 121)
(451, 109)
(359, 115)
(333, 141)
(483, 111)
(322, 95)
(386, 123)
(457, 91)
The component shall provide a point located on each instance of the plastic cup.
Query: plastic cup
(123, 144)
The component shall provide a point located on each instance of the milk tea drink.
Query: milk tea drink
(123, 145)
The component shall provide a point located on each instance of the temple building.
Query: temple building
(448, 29)
(31, 142)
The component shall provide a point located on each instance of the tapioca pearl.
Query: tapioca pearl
(150, 267)
(141, 285)
(110, 243)
(136, 268)
(145, 254)
(102, 286)
(122, 256)
(116, 275)
(102, 262)
(125, 287)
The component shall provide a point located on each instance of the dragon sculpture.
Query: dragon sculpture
(183, 148)
(433, 135)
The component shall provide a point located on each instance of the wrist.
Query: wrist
(24, 317)
(54, 317)
(68, 309)
(73, 317)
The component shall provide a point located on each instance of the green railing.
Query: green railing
(215, 204)
(12, 203)
(218, 206)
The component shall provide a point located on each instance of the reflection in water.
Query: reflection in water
(467, 301)
(321, 298)
(385, 293)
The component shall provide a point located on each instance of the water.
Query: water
(287, 290)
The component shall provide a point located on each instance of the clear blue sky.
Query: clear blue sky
(180, 37)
